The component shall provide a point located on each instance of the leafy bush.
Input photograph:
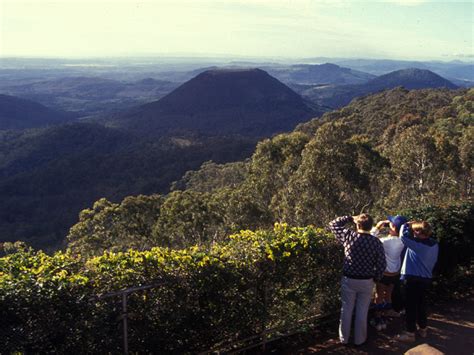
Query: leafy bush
(254, 281)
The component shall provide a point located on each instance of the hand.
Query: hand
(382, 224)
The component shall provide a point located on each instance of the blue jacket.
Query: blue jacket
(420, 257)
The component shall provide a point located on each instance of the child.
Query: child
(393, 247)
(417, 268)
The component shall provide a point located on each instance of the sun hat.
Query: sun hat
(397, 220)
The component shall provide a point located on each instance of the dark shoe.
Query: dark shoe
(423, 332)
(407, 337)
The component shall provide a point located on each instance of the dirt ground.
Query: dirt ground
(450, 330)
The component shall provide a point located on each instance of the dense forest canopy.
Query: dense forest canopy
(383, 153)
(48, 175)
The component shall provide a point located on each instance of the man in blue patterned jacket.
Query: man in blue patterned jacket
(364, 262)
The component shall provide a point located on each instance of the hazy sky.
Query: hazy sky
(401, 29)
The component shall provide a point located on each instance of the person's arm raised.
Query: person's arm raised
(407, 238)
(337, 226)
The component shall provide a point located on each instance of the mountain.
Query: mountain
(413, 78)
(17, 113)
(319, 74)
(48, 175)
(459, 72)
(249, 102)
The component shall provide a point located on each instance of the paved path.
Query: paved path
(451, 331)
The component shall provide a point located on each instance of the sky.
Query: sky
(396, 29)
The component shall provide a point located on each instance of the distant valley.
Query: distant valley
(113, 134)
(91, 95)
(96, 87)
(48, 175)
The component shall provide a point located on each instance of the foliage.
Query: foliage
(230, 290)
(254, 281)
(212, 176)
(395, 150)
(111, 226)
(48, 176)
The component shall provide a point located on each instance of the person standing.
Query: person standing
(417, 268)
(393, 247)
(364, 262)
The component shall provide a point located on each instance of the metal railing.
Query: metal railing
(230, 346)
(124, 316)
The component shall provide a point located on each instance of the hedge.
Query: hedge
(254, 281)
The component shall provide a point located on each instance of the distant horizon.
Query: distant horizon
(230, 57)
(410, 30)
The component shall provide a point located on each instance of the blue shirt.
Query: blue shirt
(420, 257)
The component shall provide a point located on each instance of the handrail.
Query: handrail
(226, 344)
(127, 291)
(124, 293)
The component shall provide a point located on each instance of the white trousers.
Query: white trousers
(355, 293)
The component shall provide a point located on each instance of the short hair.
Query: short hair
(422, 227)
(365, 221)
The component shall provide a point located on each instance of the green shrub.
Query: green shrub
(254, 281)
(230, 290)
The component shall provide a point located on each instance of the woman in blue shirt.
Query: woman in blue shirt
(417, 269)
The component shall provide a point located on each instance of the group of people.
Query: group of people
(380, 257)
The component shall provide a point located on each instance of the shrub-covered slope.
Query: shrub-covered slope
(384, 153)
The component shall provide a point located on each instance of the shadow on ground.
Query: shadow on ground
(451, 331)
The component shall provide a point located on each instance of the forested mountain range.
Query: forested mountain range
(48, 175)
(459, 72)
(105, 86)
(383, 153)
(17, 113)
(338, 96)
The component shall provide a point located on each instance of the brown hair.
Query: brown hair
(364, 221)
(422, 227)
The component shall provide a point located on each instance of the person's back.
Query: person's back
(417, 271)
(422, 252)
(364, 261)
(393, 247)
(361, 253)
